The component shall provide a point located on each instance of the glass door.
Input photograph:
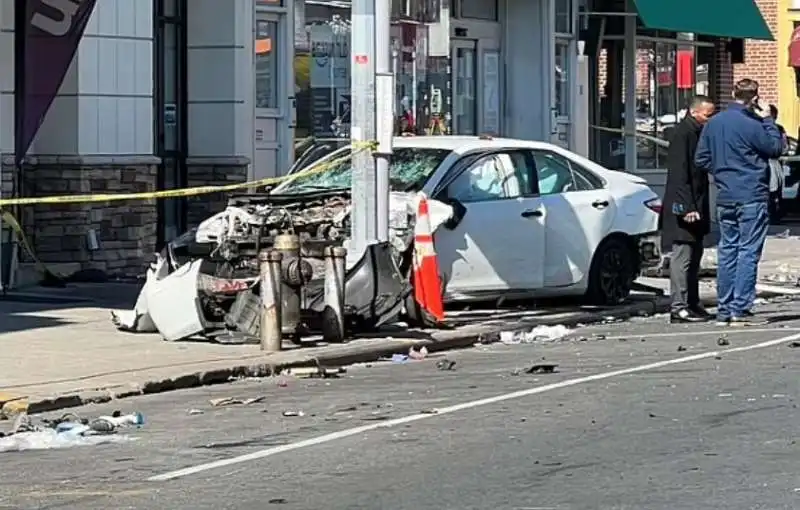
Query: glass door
(464, 55)
(271, 116)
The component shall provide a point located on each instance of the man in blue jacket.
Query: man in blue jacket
(735, 147)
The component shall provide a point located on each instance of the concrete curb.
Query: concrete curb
(347, 354)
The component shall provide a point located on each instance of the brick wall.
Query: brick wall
(761, 58)
(125, 230)
(212, 172)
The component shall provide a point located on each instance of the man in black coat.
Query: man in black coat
(685, 217)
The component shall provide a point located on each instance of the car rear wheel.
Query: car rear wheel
(612, 272)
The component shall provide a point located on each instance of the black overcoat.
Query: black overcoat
(687, 188)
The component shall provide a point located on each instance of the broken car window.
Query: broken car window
(409, 170)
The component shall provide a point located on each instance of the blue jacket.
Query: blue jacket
(735, 147)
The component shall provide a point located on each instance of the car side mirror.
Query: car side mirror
(459, 211)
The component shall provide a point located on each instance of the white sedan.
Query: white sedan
(531, 219)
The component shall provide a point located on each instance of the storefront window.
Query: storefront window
(266, 64)
(477, 9)
(665, 83)
(563, 23)
(322, 66)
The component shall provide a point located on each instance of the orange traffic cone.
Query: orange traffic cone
(427, 285)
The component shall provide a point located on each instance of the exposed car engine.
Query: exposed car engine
(206, 282)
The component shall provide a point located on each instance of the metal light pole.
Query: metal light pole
(385, 101)
(370, 49)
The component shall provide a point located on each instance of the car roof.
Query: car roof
(464, 144)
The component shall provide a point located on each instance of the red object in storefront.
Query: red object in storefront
(794, 48)
(685, 69)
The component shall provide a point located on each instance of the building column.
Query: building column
(528, 66)
(221, 97)
(629, 69)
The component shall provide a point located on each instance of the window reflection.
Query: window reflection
(322, 65)
(266, 64)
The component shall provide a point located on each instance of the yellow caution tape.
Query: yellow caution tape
(187, 192)
(9, 219)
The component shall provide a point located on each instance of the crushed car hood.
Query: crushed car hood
(322, 217)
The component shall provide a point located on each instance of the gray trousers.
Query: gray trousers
(684, 275)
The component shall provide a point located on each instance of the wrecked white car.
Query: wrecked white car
(511, 218)
(206, 282)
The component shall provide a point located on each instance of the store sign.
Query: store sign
(49, 38)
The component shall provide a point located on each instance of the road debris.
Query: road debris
(723, 341)
(195, 412)
(418, 355)
(794, 345)
(231, 401)
(68, 431)
(446, 364)
(681, 348)
(292, 413)
(429, 411)
(314, 372)
(540, 333)
(539, 368)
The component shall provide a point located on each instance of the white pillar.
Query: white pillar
(221, 76)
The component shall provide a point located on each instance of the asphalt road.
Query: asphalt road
(639, 415)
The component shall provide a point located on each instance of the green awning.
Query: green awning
(722, 18)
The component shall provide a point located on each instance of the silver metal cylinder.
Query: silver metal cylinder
(270, 272)
(333, 315)
(288, 245)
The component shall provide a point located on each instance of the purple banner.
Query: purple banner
(49, 32)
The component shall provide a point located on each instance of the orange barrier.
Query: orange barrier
(427, 284)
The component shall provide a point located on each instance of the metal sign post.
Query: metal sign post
(362, 128)
(384, 97)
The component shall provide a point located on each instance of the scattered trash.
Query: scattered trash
(681, 348)
(277, 501)
(446, 364)
(723, 341)
(538, 334)
(399, 358)
(68, 431)
(194, 412)
(429, 411)
(418, 355)
(230, 401)
(293, 413)
(314, 372)
(794, 345)
(542, 368)
(282, 383)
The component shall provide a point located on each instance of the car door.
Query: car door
(498, 242)
(580, 214)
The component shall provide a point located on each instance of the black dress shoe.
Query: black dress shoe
(701, 312)
(684, 316)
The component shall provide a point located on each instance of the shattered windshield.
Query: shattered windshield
(409, 170)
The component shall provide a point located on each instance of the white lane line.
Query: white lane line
(342, 434)
(706, 332)
(777, 289)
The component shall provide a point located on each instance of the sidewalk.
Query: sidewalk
(60, 349)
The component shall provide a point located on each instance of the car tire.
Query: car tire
(612, 272)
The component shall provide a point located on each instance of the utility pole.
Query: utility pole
(370, 186)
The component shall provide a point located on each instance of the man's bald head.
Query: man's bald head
(701, 108)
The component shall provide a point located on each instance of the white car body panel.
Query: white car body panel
(494, 252)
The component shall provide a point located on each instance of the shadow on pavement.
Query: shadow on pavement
(31, 308)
